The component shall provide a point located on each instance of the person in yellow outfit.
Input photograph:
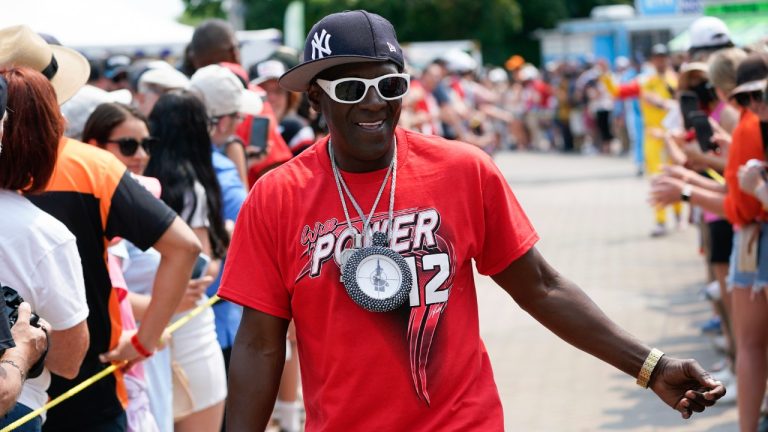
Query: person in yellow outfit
(655, 91)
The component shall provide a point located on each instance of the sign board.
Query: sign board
(656, 7)
(668, 7)
(741, 8)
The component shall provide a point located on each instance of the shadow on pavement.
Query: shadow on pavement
(644, 407)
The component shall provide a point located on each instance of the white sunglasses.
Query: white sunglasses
(353, 90)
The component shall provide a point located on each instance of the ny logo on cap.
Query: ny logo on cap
(318, 50)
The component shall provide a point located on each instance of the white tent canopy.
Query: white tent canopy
(89, 25)
(102, 27)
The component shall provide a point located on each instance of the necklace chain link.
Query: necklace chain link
(340, 183)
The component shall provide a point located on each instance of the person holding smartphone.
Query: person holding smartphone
(748, 268)
(226, 101)
(214, 43)
(182, 163)
(124, 131)
(296, 131)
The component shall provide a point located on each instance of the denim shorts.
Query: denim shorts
(19, 411)
(755, 280)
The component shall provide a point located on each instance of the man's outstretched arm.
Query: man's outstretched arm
(567, 311)
(258, 356)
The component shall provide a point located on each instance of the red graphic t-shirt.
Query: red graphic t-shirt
(423, 366)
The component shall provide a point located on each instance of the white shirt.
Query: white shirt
(195, 211)
(39, 259)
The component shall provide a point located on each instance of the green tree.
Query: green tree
(196, 11)
(502, 27)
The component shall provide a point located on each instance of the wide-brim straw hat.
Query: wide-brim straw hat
(65, 68)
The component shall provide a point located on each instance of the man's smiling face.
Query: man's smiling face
(362, 133)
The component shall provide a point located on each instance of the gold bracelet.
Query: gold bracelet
(648, 366)
(13, 364)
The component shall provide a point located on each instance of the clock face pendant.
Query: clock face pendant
(377, 278)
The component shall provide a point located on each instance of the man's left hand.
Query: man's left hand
(685, 386)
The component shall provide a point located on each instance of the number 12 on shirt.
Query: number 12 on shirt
(433, 293)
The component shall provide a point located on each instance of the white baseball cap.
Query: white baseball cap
(80, 106)
(269, 70)
(223, 93)
(498, 75)
(709, 32)
(693, 67)
(528, 72)
(166, 78)
(459, 61)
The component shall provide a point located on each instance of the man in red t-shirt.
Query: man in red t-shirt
(366, 245)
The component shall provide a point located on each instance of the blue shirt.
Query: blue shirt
(233, 195)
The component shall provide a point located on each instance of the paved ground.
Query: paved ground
(594, 223)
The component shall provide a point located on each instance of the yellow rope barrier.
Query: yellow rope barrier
(715, 176)
(193, 313)
(89, 381)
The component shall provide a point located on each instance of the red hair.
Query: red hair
(33, 128)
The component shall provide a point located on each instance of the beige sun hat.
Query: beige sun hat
(67, 69)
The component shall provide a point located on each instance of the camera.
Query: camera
(12, 302)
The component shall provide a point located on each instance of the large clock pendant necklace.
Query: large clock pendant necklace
(376, 277)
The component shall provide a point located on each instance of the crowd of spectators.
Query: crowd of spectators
(147, 162)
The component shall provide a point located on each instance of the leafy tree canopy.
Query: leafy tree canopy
(502, 27)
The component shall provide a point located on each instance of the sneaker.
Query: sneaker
(712, 291)
(659, 231)
(719, 343)
(712, 326)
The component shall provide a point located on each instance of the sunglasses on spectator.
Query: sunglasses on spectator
(743, 99)
(353, 90)
(129, 146)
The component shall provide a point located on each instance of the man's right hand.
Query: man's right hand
(30, 341)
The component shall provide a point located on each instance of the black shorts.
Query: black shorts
(604, 125)
(721, 238)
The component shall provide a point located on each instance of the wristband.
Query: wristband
(689, 136)
(685, 195)
(18, 368)
(648, 366)
(139, 347)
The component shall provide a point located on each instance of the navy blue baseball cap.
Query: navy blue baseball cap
(345, 37)
(3, 96)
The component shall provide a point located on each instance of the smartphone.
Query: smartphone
(764, 136)
(201, 266)
(259, 135)
(689, 103)
(700, 123)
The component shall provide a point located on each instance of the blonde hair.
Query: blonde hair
(722, 68)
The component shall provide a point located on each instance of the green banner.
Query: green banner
(736, 8)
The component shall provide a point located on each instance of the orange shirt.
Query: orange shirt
(742, 208)
(96, 198)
